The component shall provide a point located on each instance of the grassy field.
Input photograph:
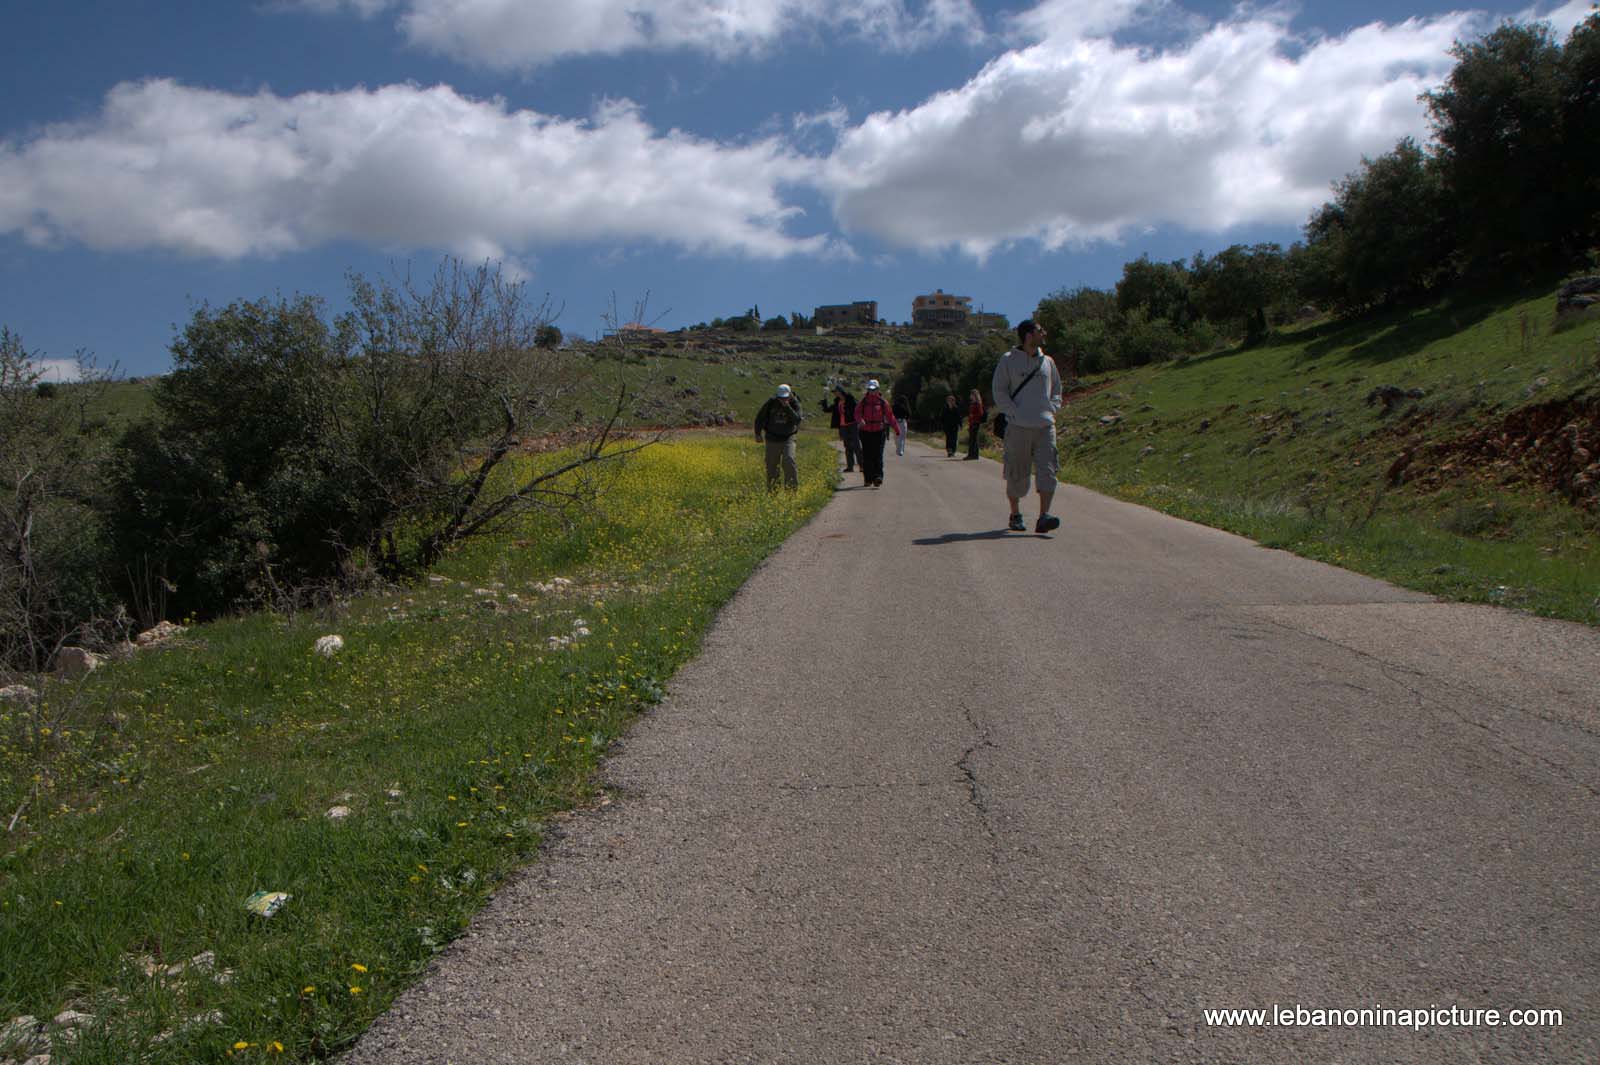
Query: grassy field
(1462, 484)
(462, 716)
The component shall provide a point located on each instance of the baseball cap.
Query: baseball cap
(872, 385)
(784, 391)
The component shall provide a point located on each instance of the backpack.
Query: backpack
(869, 412)
(782, 420)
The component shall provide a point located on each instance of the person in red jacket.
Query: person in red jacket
(842, 416)
(874, 418)
(974, 422)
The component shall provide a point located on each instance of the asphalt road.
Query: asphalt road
(935, 793)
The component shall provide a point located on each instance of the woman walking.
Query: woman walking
(974, 422)
(875, 418)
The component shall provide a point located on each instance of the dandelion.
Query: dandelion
(241, 1045)
(309, 989)
(358, 967)
(354, 990)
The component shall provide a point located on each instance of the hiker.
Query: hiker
(950, 421)
(902, 412)
(874, 417)
(975, 416)
(1027, 392)
(779, 419)
(842, 411)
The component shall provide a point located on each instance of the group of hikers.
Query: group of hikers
(1026, 387)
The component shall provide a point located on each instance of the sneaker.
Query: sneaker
(1016, 524)
(1047, 523)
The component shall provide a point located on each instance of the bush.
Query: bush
(291, 450)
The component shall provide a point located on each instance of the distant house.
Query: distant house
(941, 310)
(988, 320)
(861, 312)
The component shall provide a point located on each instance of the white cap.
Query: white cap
(784, 391)
(872, 385)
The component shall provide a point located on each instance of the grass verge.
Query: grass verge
(387, 788)
(1440, 449)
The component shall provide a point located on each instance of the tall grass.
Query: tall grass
(460, 717)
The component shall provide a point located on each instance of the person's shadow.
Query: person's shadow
(962, 538)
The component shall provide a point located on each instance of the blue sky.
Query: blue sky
(708, 154)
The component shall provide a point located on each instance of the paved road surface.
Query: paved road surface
(937, 794)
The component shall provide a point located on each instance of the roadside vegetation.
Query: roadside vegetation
(387, 788)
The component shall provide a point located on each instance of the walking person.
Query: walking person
(950, 422)
(875, 418)
(975, 416)
(842, 416)
(779, 420)
(1027, 392)
(902, 412)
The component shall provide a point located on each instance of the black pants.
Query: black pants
(951, 436)
(972, 441)
(851, 439)
(872, 454)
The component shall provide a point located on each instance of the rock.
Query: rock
(434, 578)
(328, 646)
(75, 663)
(1148, 451)
(17, 694)
(72, 1019)
(1205, 423)
(337, 813)
(24, 1035)
(1110, 419)
(1579, 294)
(158, 633)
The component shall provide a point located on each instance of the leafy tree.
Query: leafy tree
(1580, 118)
(775, 324)
(1386, 237)
(1499, 121)
(1239, 283)
(547, 336)
(1161, 290)
(1079, 323)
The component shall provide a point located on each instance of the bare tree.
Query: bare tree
(47, 473)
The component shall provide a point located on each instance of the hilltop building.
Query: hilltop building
(861, 312)
(941, 310)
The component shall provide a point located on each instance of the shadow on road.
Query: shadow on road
(961, 538)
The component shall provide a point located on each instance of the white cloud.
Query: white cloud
(216, 174)
(60, 371)
(1562, 19)
(519, 34)
(1076, 137)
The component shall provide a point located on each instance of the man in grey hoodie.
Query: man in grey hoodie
(1027, 390)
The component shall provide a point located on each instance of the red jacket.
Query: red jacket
(975, 413)
(872, 413)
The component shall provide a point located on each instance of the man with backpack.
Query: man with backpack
(778, 421)
(1027, 394)
(874, 418)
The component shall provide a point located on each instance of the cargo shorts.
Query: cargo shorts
(1030, 451)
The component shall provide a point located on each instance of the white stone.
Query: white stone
(17, 693)
(337, 813)
(580, 631)
(159, 633)
(73, 1019)
(76, 662)
(328, 646)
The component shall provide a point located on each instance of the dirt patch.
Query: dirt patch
(1554, 445)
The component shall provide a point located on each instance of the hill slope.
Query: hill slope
(1450, 449)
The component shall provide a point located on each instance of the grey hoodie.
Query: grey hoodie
(1037, 403)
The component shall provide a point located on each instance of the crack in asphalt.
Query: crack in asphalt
(964, 763)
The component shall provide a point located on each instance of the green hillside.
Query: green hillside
(1449, 449)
